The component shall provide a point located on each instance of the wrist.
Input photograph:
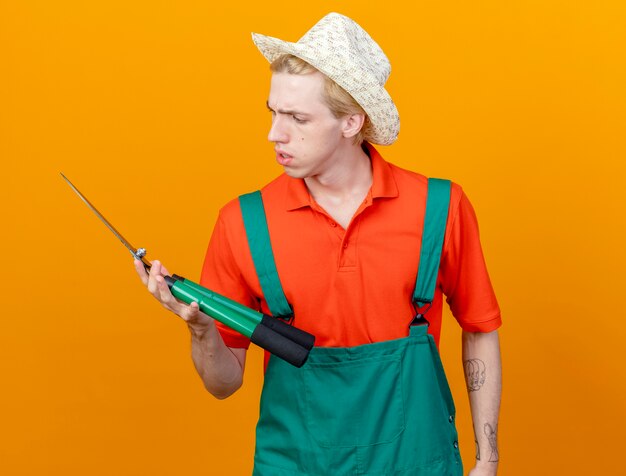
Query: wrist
(486, 468)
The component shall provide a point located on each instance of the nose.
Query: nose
(278, 132)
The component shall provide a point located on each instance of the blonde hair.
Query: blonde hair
(336, 98)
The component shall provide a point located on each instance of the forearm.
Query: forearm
(219, 367)
(483, 375)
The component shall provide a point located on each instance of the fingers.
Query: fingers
(157, 286)
(160, 290)
(163, 292)
(141, 271)
(155, 271)
(159, 269)
(188, 312)
(164, 271)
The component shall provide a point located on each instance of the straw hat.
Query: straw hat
(342, 50)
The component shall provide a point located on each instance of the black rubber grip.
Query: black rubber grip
(292, 333)
(279, 345)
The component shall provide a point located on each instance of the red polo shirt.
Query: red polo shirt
(354, 286)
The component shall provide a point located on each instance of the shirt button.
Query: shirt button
(333, 224)
(451, 419)
(345, 245)
(456, 444)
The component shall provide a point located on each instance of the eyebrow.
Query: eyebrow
(286, 111)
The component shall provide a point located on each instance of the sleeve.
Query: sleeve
(464, 277)
(221, 273)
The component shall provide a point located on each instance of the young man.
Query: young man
(348, 234)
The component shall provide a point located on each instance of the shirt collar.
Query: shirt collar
(383, 182)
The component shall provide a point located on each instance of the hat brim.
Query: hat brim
(364, 88)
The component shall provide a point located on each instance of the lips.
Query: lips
(283, 158)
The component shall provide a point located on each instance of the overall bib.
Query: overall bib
(380, 409)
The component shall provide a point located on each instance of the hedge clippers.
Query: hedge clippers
(274, 335)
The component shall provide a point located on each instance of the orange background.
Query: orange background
(156, 111)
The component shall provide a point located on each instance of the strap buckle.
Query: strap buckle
(419, 319)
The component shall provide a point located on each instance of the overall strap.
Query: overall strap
(437, 204)
(255, 223)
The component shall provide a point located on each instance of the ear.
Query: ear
(353, 124)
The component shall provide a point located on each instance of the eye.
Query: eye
(299, 120)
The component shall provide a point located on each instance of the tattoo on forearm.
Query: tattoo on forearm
(475, 374)
(492, 437)
(477, 449)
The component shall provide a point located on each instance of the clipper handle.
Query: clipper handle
(284, 341)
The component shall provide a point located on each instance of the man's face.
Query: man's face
(307, 137)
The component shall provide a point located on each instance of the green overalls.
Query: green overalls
(378, 409)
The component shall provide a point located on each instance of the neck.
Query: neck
(349, 177)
